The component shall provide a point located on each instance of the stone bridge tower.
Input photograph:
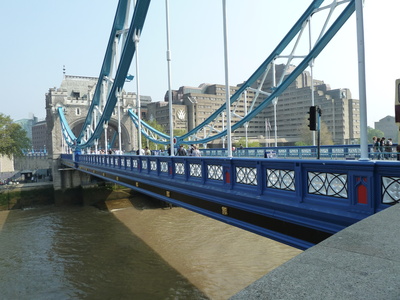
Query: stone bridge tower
(74, 95)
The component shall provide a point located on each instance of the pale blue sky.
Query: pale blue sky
(39, 37)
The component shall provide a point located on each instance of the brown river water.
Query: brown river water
(133, 250)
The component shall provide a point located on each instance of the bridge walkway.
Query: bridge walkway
(359, 262)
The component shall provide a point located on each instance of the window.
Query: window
(75, 95)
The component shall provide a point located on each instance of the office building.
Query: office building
(389, 128)
(193, 105)
(39, 137)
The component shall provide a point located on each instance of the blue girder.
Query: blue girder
(316, 50)
(135, 120)
(69, 136)
(129, 50)
(320, 45)
(136, 26)
(119, 22)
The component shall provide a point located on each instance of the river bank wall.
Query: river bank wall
(33, 194)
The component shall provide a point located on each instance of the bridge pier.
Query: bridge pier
(72, 186)
(67, 178)
(67, 183)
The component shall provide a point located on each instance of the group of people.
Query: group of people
(382, 147)
(145, 151)
(192, 151)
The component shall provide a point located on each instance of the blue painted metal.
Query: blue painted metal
(111, 144)
(304, 152)
(320, 195)
(119, 21)
(289, 79)
(256, 75)
(128, 51)
(135, 119)
(315, 51)
(69, 136)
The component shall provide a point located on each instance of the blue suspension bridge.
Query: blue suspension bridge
(294, 201)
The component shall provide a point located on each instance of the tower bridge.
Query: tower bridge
(296, 202)
(74, 96)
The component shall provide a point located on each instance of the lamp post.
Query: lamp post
(361, 81)
(227, 89)
(119, 95)
(170, 110)
(136, 38)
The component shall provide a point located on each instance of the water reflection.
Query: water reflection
(81, 253)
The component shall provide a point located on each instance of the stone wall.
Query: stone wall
(6, 164)
(32, 163)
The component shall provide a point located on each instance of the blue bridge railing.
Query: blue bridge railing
(306, 152)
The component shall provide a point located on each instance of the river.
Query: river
(133, 250)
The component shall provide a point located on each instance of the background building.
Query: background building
(39, 137)
(389, 128)
(340, 112)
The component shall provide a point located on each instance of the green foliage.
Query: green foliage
(306, 138)
(148, 143)
(13, 139)
(249, 144)
(160, 128)
(373, 132)
(179, 132)
(301, 143)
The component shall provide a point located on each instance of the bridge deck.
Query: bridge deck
(297, 202)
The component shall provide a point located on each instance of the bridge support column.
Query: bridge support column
(68, 183)
(55, 166)
(66, 178)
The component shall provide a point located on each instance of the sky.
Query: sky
(40, 37)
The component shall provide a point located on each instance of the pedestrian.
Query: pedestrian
(374, 149)
(377, 148)
(388, 148)
(192, 147)
(195, 151)
(181, 151)
(382, 147)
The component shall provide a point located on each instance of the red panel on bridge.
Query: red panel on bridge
(362, 193)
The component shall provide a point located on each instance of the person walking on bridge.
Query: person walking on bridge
(195, 151)
(181, 151)
(388, 148)
(382, 148)
(377, 146)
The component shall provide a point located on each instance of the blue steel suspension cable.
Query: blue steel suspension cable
(319, 46)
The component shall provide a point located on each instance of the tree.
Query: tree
(179, 132)
(373, 132)
(145, 141)
(242, 141)
(306, 135)
(13, 139)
